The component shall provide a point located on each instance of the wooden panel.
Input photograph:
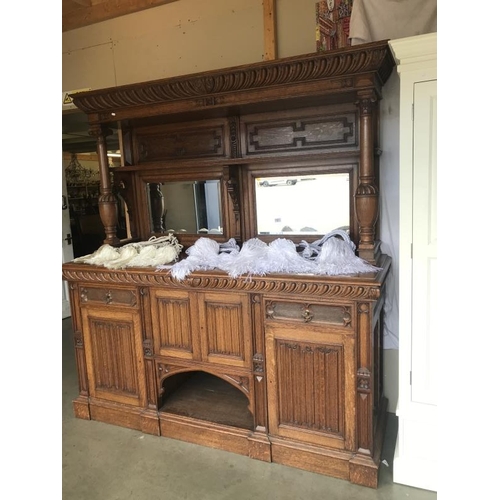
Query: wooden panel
(226, 329)
(108, 296)
(319, 460)
(77, 14)
(305, 312)
(114, 351)
(300, 134)
(172, 325)
(308, 390)
(177, 143)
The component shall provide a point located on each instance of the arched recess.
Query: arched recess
(201, 394)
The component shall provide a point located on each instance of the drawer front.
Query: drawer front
(310, 313)
(108, 296)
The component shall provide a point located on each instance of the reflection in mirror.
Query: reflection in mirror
(303, 204)
(191, 207)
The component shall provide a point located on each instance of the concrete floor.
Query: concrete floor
(105, 462)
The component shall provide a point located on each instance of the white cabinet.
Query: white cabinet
(415, 461)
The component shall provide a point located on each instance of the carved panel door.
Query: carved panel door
(175, 324)
(113, 347)
(225, 328)
(311, 385)
(211, 327)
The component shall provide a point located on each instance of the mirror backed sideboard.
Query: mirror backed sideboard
(281, 367)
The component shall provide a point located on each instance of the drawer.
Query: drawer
(307, 312)
(108, 296)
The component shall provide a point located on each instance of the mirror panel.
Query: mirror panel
(303, 204)
(192, 207)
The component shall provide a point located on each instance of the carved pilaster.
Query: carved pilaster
(367, 195)
(232, 188)
(234, 136)
(364, 381)
(108, 204)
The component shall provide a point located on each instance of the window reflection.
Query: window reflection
(304, 204)
(185, 207)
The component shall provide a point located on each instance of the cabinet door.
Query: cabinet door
(311, 385)
(113, 348)
(174, 329)
(424, 264)
(225, 328)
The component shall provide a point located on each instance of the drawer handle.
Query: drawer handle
(307, 315)
(109, 298)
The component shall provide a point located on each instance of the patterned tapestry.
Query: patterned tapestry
(332, 24)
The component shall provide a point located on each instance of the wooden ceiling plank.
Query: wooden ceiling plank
(269, 7)
(106, 10)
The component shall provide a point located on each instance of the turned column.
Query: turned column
(367, 194)
(108, 204)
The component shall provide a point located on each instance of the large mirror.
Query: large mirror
(192, 207)
(303, 204)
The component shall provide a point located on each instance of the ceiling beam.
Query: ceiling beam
(269, 7)
(105, 10)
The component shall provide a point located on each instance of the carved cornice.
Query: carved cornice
(373, 62)
(325, 287)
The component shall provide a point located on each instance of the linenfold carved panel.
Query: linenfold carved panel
(172, 325)
(224, 329)
(313, 374)
(113, 356)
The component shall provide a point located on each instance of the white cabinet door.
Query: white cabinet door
(424, 261)
(416, 455)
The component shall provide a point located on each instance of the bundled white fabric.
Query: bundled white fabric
(332, 255)
(203, 255)
(154, 252)
(337, 257)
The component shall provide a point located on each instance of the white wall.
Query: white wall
(181, 38)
